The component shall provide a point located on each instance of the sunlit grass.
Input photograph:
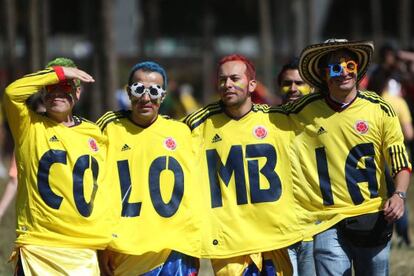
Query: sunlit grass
(7, 236)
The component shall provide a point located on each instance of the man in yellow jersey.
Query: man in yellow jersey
(248, 208)
(293, 87)
(153, 173)
(344, 137)
(61, 201)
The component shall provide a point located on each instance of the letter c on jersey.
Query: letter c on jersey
(83, 163)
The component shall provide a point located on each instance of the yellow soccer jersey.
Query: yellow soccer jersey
(61, 197)
(153, 174)
(248, 204)
(339, 157)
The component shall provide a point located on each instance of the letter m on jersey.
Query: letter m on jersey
(234, 166)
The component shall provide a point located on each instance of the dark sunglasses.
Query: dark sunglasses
(65, 86)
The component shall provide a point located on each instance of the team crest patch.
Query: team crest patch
(93, 145)
(170, 143)
(361, 127)
(260, 132)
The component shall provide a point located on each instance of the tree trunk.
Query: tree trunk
(282, 31)
(104, 63)
(404, 22)
(298, 9)
(10, 46)
(313, 36)
(43, 31)
(208, 53)
(34, 36)
(266, 43)
(140, 30)
(376, 21)
(109, 59)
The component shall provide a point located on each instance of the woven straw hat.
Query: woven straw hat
(309, 68)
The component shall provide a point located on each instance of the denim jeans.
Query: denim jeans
(335, 256)
(301, 257)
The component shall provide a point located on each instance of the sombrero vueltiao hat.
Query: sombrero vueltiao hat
(310, 57)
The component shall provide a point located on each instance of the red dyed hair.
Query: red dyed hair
(250, 69)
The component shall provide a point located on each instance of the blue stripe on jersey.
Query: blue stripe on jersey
(177, 264)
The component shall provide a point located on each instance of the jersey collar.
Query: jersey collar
(337, 106)
(129, 116)
(231, 117)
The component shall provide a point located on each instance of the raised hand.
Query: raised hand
(75, 73)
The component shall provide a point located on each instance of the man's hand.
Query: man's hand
(105, 262)
(75, 73)
(394, 208)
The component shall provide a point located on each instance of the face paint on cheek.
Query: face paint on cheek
(304, 89)
(239, 86)
(285, 89)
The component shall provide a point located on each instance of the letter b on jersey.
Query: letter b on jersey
(234, 165)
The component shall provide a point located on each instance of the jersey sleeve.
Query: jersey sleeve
(393, 145)
(18, 113)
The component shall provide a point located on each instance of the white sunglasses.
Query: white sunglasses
(154, 91)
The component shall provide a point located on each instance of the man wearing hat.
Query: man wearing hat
(343, 139)
(61, 202)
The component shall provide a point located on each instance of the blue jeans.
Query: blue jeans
(335, 256)
(301, 257)
(177, 264)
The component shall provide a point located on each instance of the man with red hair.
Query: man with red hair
(245, 177)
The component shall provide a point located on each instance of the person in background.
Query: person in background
(387, 66)
(11, 188)
(291, 85)
(262, 95)
(392, 94)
